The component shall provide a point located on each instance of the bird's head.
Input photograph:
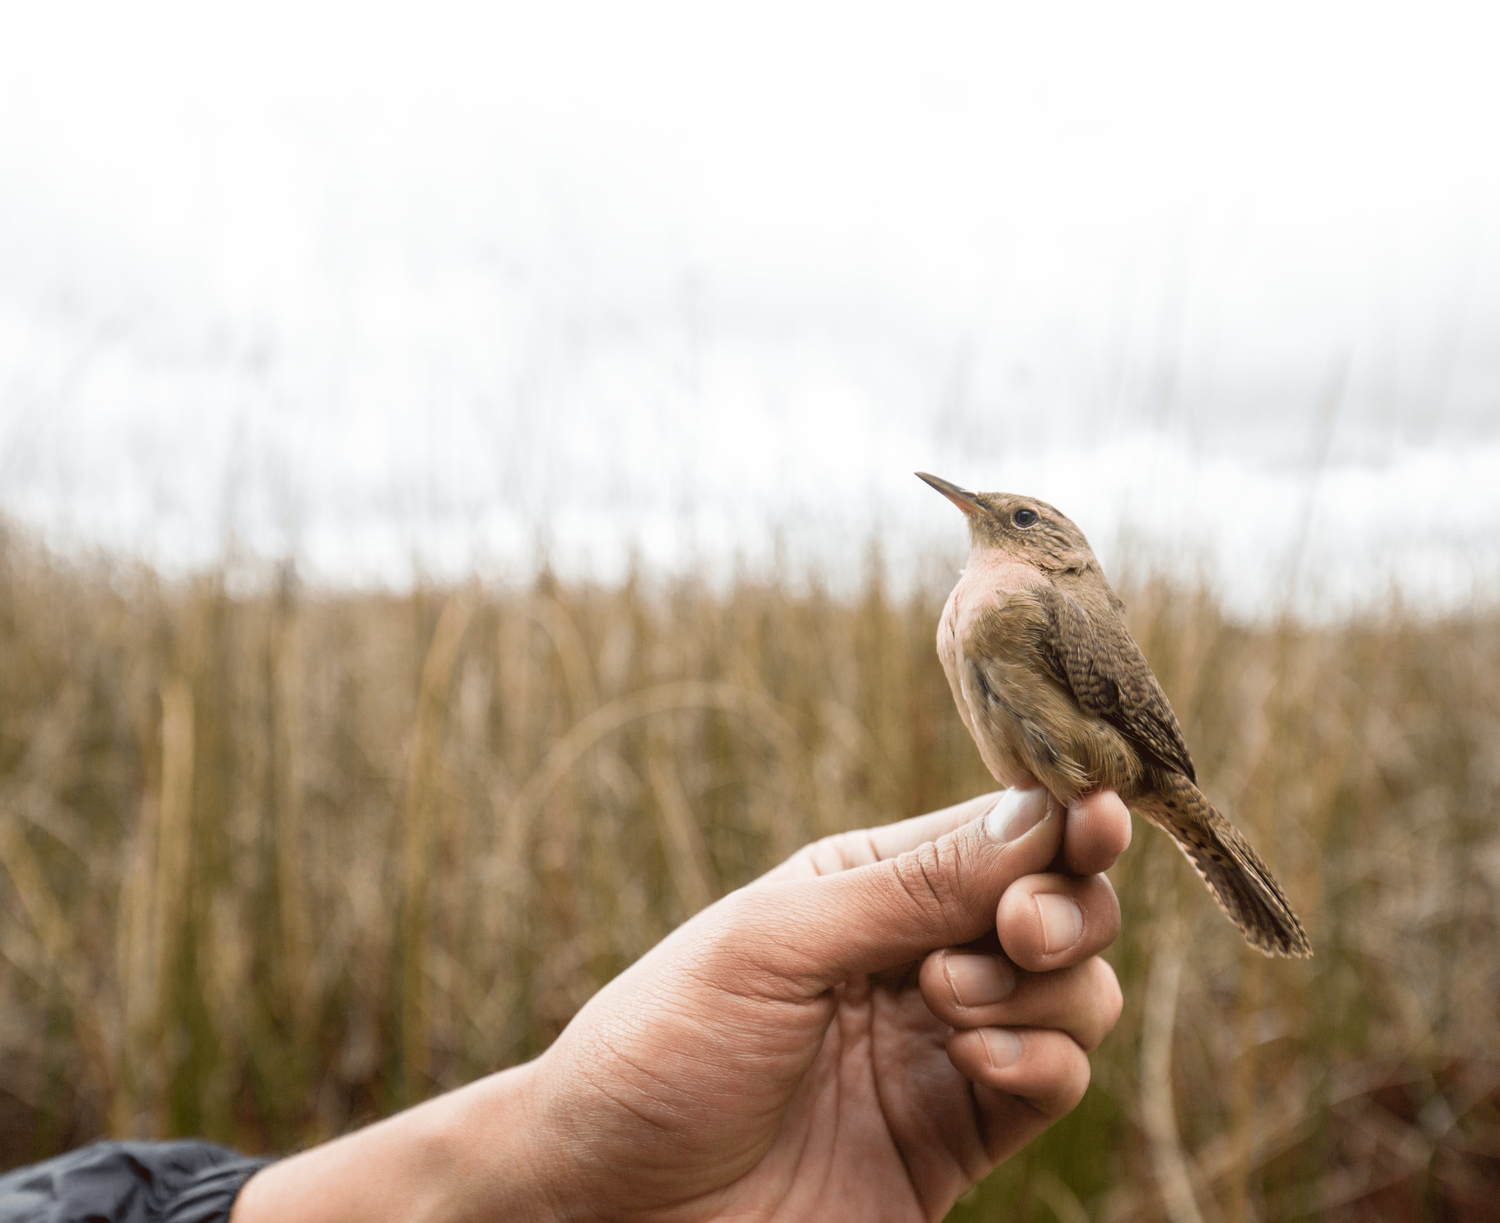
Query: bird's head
(1019, 528)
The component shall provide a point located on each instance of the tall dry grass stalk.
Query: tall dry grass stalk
(273, 864)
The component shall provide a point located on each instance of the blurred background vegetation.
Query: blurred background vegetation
(277, 860)
(559, 344)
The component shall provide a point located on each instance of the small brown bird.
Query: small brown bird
(1052, 686)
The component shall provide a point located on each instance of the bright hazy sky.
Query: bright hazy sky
(397, 284)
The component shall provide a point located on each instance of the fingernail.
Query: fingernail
(978, 980)
(1001, 1047)
(1062, 921)
(1015, 813)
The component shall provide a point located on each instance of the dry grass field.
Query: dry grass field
(275, 861)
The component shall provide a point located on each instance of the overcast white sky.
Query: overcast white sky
(372, 283)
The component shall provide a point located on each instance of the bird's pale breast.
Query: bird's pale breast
(985, 589)
(1025, 722)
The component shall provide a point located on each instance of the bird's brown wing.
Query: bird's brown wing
(1095, 655)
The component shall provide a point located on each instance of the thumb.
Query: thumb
(824, 930)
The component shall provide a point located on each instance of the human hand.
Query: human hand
(787, 1053)
(862, 1033)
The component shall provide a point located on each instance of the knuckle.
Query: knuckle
(1065, 1079)
(1102, 1003)
(726, 936)
(818, 857)
(929, 876)
(824, 854)
(1075, 1082)
(1107, 901)
(1112, 998)
(941, 996)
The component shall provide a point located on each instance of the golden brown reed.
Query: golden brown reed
(274, 863)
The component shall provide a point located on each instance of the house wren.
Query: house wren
(1053, 687)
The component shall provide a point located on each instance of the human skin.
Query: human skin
(862, 1033)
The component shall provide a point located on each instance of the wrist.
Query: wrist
(496, 1162)
(469, 1156)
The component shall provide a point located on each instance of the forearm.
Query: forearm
(469, 1155)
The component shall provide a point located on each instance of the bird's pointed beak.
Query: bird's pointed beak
(960, 497)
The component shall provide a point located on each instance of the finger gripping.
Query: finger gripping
(931, 878)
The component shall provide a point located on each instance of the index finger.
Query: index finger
(1097, 832)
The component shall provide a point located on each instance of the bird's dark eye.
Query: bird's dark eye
(1024, 518)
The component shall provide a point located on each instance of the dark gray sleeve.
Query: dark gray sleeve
(128, 1182)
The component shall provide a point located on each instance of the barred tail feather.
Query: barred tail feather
(1239, 880)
